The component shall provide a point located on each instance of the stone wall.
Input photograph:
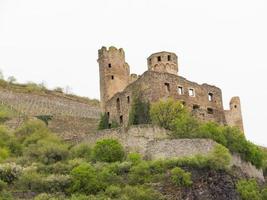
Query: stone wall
(154, 86)
(155, 143)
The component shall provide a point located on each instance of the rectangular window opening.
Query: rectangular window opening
(159, 58)
(167, 87)
(196, 107)
(210, 110)
(192, 92)
(118, 105)
(128, 99)
(180, 90)
(109, 65)
(210, 97)
(112, 77)
(121, 119)
(169, 58)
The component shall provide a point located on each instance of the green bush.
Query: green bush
(220, 158)
(4, 153)
(165, 112)
(113, 191)
(33, 127)
(108, 150)
(6, 195)
(122, 168)
(140, 193)
(180, 177)
(264, 194)
(30, 180)
(81, 151)
(140, 173)
(9, 172)
(47, 152)
(185, 126)
(248, 190)
(3, 185)
(139, 112)
(85, 180)
(104, 122)
(213, 131)
(134, 158)
(4, 115)
(56, 183)
(33, 87)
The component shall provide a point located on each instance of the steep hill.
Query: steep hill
(70, 115)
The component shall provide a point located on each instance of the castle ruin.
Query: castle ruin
(160, 81)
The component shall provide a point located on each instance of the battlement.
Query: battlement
(163, 62)
(105, 52)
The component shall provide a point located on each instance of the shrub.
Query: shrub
(32, 127)
(85, 180)
(180, 177)
(140, 193)
(248, 190)
(113, 191)
(56, 183)
(140, 173)
(47, 152)
(185, 126)
(139, 112)
(9, 172)
(134, 158)
(108, 177)
(4, 115)
(81, 151)
(108, 150)
(164, 112)
(31, 180)
(104, 122)
(33, 87)
(264, 194)
(6, 195)
(4, 153)
(45, 196)
(121, 168)
(55, 168)
(3, 185)
(213, 131)
(220, 157)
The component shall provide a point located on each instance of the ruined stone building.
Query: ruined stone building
(160, 81)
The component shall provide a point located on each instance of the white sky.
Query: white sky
(219, 42)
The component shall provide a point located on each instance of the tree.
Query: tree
(164, 112)
(104, 122)
(1, 75)
(139, 113)
(85, 179)
(108, 150)
(11, 79)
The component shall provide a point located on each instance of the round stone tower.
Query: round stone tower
(114, 73)
(163, 62)
(234, 115)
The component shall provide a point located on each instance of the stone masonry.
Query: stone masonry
(160, 81)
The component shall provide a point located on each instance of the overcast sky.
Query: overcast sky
(223, 43)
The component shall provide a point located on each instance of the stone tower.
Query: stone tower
(234, 115)
(163, 62)
(114, 73)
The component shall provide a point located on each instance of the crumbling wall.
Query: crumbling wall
(155, 143)
(153, 86)
(234, 115)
